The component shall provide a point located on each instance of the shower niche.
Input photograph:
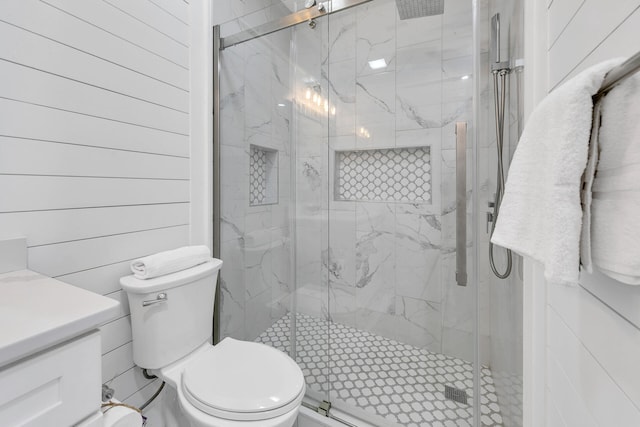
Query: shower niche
(263, 176)
(384, 175)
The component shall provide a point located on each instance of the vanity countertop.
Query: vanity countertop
(37, 312)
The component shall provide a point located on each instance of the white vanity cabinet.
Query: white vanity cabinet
(57, 387)
(50, 350)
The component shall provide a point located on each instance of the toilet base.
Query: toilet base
(175, 415)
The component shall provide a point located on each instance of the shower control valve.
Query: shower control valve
(492, 203)
(489, 221)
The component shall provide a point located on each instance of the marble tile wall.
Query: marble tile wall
(390, 265)
(255, 238)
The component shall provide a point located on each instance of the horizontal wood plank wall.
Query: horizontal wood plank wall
(593, 338)
(94, 146)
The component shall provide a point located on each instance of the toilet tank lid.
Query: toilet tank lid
(134, 285)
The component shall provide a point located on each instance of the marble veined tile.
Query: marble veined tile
(420, 62)
(375, 257)
(375, 110)
(311, 185)
(340, 259)
(376, 36)
(419, 30)
(375, 94)
(418, 256)
(419, 323)
(341, 41)
(232, 303)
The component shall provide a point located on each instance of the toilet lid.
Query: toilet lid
(243, 380)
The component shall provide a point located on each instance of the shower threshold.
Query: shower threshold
(384, 380)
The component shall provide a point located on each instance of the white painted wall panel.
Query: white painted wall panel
(594, 22)
(26, 193)
(617, 44)
(115, 333)
(59, 59)
(65, 225)
(81, 129)
(606, 402)
(36, 87)
(117, 362)
(574, 410)
(614, 342)
(121, 297)
(38, 17)
(16, 157)
(68, 257)
(94, 146)
(125, 27)
(144, 394)
(560, 14)
(162, 22)
(129, 383)
(554, 419)
(621, 298)
(101, 279)
(178, 9)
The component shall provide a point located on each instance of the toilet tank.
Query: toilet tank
(171, 315)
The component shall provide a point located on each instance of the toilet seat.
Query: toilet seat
(243, 381)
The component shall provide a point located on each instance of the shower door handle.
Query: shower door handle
(461, 203)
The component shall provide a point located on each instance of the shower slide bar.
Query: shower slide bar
(305, 15)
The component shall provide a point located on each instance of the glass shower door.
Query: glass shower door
(309, 130)
(339, 207)
(401, 329)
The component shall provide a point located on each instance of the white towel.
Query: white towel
(587, 185)
(541, 215)
(611, 235)
(170, 261)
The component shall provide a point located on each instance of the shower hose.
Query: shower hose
(499, 90)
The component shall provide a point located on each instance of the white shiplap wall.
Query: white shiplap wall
(94, 145)
(593, 331)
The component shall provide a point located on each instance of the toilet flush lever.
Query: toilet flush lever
(161, 297)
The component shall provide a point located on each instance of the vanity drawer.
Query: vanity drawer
(57, 387)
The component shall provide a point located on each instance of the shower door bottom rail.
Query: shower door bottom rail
(324, 409)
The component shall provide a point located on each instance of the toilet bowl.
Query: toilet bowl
(232, 384)
(237, 383)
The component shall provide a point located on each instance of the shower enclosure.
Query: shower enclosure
(351, 186)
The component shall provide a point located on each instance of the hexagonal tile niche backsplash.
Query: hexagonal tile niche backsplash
(392, 174)
(263, 176)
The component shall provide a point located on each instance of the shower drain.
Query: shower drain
(455, 394)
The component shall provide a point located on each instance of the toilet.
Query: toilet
(232, 384)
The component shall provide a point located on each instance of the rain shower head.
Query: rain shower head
(408, 9)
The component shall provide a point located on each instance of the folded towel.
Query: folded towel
(170, 261)
(613, 229)
(541, 215)
(587, 195)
